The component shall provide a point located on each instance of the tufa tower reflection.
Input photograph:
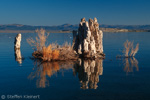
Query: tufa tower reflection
(89, 72)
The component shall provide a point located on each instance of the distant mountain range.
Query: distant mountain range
(69, 27)
(129, 27)
(29, 27)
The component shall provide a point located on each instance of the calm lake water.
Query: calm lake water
(108, 79)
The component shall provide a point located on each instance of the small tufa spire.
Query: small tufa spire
(83, 19)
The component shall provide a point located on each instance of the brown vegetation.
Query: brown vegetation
(134, 51)
(55, 54)
(129, 50)
(39, 41)
(52, 51)
(67, 52)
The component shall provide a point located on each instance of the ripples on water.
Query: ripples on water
(108, 79)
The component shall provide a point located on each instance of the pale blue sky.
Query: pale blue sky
(57, 12)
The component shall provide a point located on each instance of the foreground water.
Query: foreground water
(108, 79)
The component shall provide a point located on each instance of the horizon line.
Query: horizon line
(77, 24)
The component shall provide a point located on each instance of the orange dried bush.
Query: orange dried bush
(55, 54)
(53, 51)
(47, 53)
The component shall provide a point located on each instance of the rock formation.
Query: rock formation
(18, 41)
(89, 72)
(89, 39)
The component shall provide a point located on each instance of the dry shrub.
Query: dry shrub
(41, 51)
(67, 45)
(53, 51)
(47, 53)
(54, 45)
(135, 50)
(59, 53)
(67, 52)
(129, 50)
(40, 40)
(127, 46)
(55, 54)
(33, 44)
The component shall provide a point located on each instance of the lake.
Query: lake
(109, 79)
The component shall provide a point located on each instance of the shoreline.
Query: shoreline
(31, 31)
(108, 30)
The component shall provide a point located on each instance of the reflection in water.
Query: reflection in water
(44, 69)
(88, 72)
(18, 56)
(130, 63)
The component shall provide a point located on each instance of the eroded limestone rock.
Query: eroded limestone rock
(89, 40)
(18, 41)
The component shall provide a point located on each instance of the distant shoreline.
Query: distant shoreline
(30, 31)
(113, 30)
(68, 28)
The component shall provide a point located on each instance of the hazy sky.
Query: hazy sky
(57, 12)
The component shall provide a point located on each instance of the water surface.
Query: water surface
(108, 79)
